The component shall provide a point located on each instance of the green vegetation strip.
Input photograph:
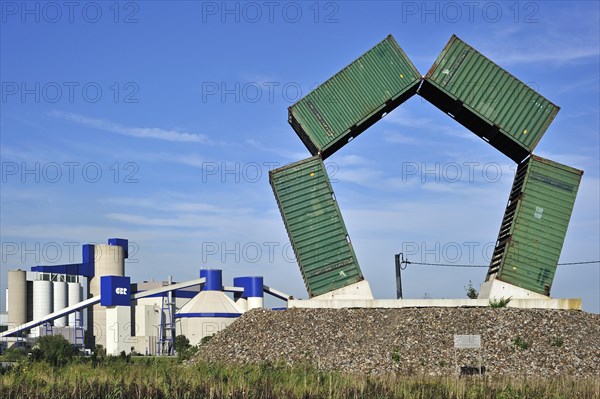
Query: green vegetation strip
(122, 377)
(53, 370)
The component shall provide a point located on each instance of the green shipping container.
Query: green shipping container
(315, 226)
(535, 224)
(355, 98)
(487, 100)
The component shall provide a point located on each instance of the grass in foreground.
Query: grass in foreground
(157, 378)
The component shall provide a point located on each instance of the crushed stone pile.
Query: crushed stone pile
(415, 340)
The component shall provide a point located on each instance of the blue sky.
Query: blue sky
(158, 122)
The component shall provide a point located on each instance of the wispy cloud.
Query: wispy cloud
(352, 160)
(143, 220)
(580, 161)
(398, 138)
(191, 160)
(8, 153)
(545, 54)
(138, 132)
(368, 177)
(282, 152)
(549, 46)
(579, 85)
(167, 205)
(402, 117)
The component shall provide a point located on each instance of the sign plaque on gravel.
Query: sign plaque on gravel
(467, 341)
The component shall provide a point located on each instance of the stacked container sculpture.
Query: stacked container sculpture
(478, 94)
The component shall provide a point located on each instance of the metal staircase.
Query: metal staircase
(504, 236)
(79, 331)
(48, 328)
(166, 330)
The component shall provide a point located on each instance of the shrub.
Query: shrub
(13, 355)
(471, 291)
(520, 343)
(556, 341)
(181, 344)
(54, 349)
(499, 303)
(396, 356)
(183, 348)
(205, 339)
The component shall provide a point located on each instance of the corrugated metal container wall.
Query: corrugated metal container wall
(355, 98)
(535, 224)
(315, 226)
(488, 100)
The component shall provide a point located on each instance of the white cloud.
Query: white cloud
(402, 117)
(368, 177)
(550, 46)
(547, 54)
(350, 160)
(138, 132)
(578, 161)
(281, 152)
(166, 204)
(579, 85)
(398, 138)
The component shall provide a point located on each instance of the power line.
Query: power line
(471, 265)
(444, 265)
(579, 263)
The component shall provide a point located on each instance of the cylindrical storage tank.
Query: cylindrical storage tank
(17, 297)
(109, 260)
(60, 301)
(74, 297)
(214, 279)
(42, 301)
(253, 291)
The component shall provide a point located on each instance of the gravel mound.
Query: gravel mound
(415, 340)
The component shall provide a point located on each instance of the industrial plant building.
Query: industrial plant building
(92, 303)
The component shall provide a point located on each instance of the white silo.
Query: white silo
(60, 301)
(42, 301)
(109, 261)
(17, 297)
(73, 297)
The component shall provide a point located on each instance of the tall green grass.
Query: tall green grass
(157, 378)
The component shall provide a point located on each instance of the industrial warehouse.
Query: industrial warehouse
(94, 303)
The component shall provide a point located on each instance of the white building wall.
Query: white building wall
(118, 327)
(197, 328)
(147, 319)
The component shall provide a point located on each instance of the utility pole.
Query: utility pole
(399, 260)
